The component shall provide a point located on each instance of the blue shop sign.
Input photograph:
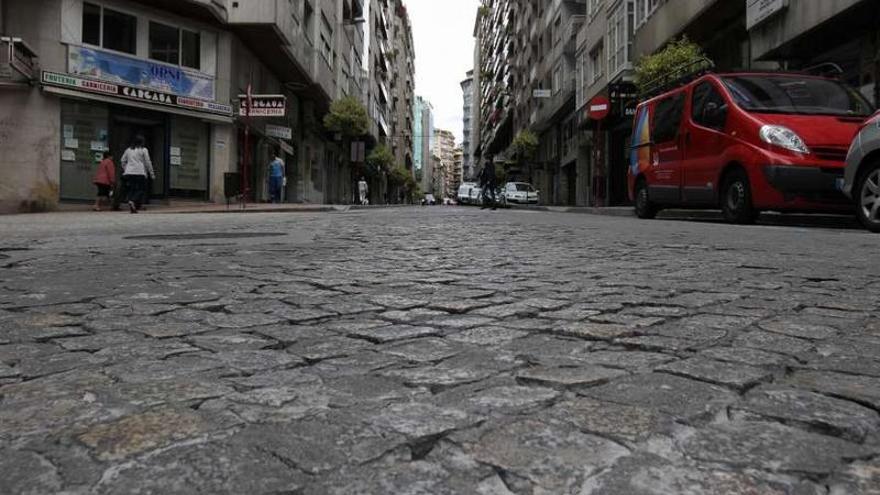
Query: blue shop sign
(119, 69)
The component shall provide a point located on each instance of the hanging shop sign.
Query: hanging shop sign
(280, 132)
(262, 106)
(542, 93)
(133, 93)
(758, 11)
(624, 99)
(119, 69)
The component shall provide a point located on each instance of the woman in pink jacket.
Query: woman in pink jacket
(105, 177)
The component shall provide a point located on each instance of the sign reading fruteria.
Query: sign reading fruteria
(263, 106)
(132, 93)
(758, 11)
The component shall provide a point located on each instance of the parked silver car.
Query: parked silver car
(861, 181)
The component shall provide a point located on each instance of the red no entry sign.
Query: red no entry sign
(598, 108)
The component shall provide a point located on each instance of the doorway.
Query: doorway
(125, 127)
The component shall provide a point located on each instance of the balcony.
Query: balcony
(18, 63)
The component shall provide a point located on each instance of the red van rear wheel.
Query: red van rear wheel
(645, 209)
(736, 199)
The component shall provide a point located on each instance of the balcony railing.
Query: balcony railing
(18, 62)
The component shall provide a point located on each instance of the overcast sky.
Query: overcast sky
(443, 33)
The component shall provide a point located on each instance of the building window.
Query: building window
(326, 36)
(164, 43)
(641, 12)
(593, 7)
(120, 31)
(91, 33)
(557, 79)
(596, 64)
(191, 49)
(109, 29)
(620, 23)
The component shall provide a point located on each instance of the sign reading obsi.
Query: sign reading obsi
(263, 106)
(598, 108)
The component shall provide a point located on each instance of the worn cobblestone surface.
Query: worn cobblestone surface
(435, 351)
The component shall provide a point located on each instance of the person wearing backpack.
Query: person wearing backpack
(136, 167)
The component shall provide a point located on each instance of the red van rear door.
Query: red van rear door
(666, 153)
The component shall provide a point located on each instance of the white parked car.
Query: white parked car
(465, 193)
(476, 196)
(520, 192)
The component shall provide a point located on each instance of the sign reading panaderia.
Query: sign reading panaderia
(133, 93)
(758, 11)
(263, 106)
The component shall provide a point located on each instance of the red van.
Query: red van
(745, 142)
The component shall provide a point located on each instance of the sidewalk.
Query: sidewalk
(200, 207)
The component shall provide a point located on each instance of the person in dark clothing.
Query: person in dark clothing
(488, 184)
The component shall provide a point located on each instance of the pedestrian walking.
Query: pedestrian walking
(276, 177)
(136, 168)
(104, 179)
(363, 191)
(488, 184)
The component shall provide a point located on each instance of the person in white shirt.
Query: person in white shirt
(363, 191)
(136, 167)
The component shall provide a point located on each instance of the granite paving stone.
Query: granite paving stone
(429, 351)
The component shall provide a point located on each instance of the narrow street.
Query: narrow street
(436, 350)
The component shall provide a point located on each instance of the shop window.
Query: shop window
(190, 50)
(91, 25)
(164, 43)
(120, 31)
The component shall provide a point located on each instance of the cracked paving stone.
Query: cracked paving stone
(161, 392)
(744, 355)
(188, 314)
(59, 362)
(737, 376)
(165, 369)
(811, 410)
(274, 404)
(518, 309)
(256, 306)
(27, 473)
(323, 444)
(278, 378)
(352, 308)
(593, 331)
(492, 335)
(398, 302)
(656, 311)
(770, 446)
(422, 350)
(580, 377)
(574, 313)
(419, 420)
(319, 349)
(241, 320)
(651, 343)
(701, 299)
(649, 474)
(528, 324)
(226, 466)
(548, 350)
(798, 329)
(548, 458)
(288, 334)
(441, 375)
(99, 341)
(145, 349)
(621, 422)
(861, 477)
(226, 340)
(167, 329)
(628, 360)
(458, 306)
(346, 326)
(782, 344)
(679, 397)
(862, 389)
(139, 433)
(508, 399)
(358, 364)
(633, 321)
(412, 316)
(460, 322)
(268, 396)
(357, 390)
(256, 361)
(846, 364)
(390, 333)
(302, 315)
(410, 478)
(850, 347)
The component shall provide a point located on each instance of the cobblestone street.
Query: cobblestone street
(436, 351)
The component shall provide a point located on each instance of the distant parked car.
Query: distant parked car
(464, 193)
(861, 180)
(519, 192)
(429, 200)
(476, 196)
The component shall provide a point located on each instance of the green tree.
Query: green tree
(380, 160)
(675, 57)
(525, 144)
(348, 117)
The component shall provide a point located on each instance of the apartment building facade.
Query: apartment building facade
(90, 75)
(467, 90)
(443, 173)
(423, 135)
